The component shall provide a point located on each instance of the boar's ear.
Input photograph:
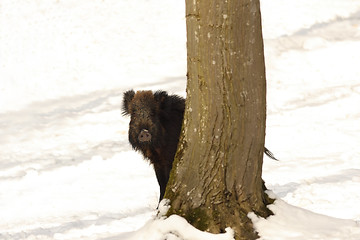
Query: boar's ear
(177, 103)
(162, 98)
(127, 98)
(170, 102)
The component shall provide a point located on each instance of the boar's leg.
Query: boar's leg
(162, 175)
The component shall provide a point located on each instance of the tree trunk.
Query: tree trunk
(216, 177)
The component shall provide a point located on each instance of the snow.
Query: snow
(284, 225)
(174, 227)
(67, 170)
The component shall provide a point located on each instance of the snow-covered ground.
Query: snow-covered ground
(66, 168)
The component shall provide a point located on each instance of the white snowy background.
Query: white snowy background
(67, 170)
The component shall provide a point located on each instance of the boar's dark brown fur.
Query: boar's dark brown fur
(154, 129)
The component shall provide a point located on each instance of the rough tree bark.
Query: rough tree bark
(216, 177)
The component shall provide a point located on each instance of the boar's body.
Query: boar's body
(154, 129)
(155, 125)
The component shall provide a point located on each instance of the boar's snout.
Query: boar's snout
(144, 136)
